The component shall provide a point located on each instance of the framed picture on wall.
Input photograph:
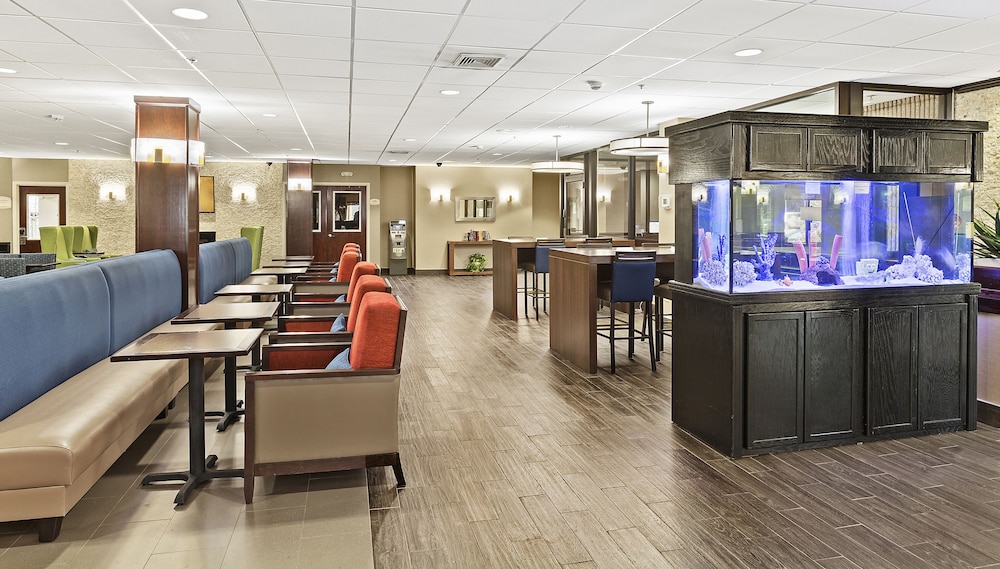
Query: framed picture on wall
(206, 194)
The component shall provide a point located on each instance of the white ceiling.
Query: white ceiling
(352, 80)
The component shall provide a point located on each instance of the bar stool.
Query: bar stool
(632, 280)
(539, 266)
(663, 320)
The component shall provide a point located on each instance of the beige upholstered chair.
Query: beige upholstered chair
(303, 418)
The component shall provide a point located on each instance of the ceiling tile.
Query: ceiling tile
(628, 14)
(390, 72)
(190, 40)
(435, 6)
(631, 66)
(964, 9)
(300, 18)
(392, 52)
(772, 48)
(325, 84)
(820, 55)
(222, 14)
(415, 27)
(152, 58)
(730, 17)
(365, 86)
(449, 76)
(498, 33)
(897, 29)
(557, 62)
(152, 76)
(890, 5)
(599, 40)
(533, 80)
(891, 59)
(315, 67)
(50, 52)
(548, 11)
(230, 62)
(672, 44)
(100, 10)
(285, 45)
(811, 23)
(85, 72)
(967, 37)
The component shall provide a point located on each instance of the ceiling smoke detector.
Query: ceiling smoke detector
(595, 85)
(476, 61)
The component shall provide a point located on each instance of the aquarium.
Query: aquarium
(758, 235)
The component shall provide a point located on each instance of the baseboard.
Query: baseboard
(431, 271)
(988, 413)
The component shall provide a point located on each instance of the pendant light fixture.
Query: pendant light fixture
(641, 145)
(556, 166)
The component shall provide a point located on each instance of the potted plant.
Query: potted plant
(477, 263)
(986, 271)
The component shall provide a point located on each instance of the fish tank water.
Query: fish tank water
(758, 235)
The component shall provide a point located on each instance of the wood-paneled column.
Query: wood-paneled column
(299, 209)
(166, 190)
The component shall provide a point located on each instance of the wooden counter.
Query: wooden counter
(507, 253)
(574, 274)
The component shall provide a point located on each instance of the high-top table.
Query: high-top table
(573, 276)
(230, 314)
(294, 258)
(507, 253)
(284, 274)
(194, 347)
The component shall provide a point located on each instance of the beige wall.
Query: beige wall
(667, 222)
(265, 206)
(7, 216)
(87, 203)
(33, 172)
(397, 203)
(435, 223)
(984, 105)
(544, 205)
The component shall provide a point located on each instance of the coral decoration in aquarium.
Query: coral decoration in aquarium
(754, 236)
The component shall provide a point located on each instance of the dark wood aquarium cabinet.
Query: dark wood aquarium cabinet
(823, 290)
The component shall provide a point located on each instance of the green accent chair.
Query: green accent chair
(73, 232)
(255, 233)
(81, 239)
(93, 235)
(54, 240)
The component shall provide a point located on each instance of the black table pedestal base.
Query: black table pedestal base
(192, 479)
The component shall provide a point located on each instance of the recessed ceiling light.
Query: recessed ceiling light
(409, 140)
(498, 153)
(269, 115)
(748, 52)
(392, 160)
(295, 149)
(7, 70)
(189, 13)
(449, 92)
(62, 144)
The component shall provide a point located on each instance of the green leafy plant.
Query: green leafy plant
(987, 243)
(477, 263)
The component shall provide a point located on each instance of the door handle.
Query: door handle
(329, 235)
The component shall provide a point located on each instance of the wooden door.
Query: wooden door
(892, 369)
(37, 206)
(342, 219)
(774, 363)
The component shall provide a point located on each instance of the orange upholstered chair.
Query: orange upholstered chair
(323, 322)
(304, 415)
(333, 292)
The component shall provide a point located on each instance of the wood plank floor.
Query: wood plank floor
(515, 458)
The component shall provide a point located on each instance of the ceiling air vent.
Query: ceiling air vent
(404, 152)
(477, 61)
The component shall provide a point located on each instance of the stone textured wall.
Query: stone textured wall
(984, 105)
(267, 208)
(88, 205)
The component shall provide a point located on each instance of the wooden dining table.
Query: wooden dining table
(284, 274)
(256, 292)
(230, 314)
(193, 346)
(573, 277)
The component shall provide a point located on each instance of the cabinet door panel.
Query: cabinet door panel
(942, 365)
(832, 375)
(836, 150)
(774, 379)
(892, 345)
(949, 153)
(898, 151)
(777, 148)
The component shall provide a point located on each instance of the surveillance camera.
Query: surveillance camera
(269, 163)
(439, 164)
(595, 85)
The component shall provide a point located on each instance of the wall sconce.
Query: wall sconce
(112, 192)
(168, 151)
(300, 184)
(244, 193)
(509, 196)
(440, 194)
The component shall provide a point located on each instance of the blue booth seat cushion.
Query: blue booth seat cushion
(340, 324)
(216, 268)
(70, 345)
(341, 361)
(342, 298)
(145, 290)
(243, 254)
